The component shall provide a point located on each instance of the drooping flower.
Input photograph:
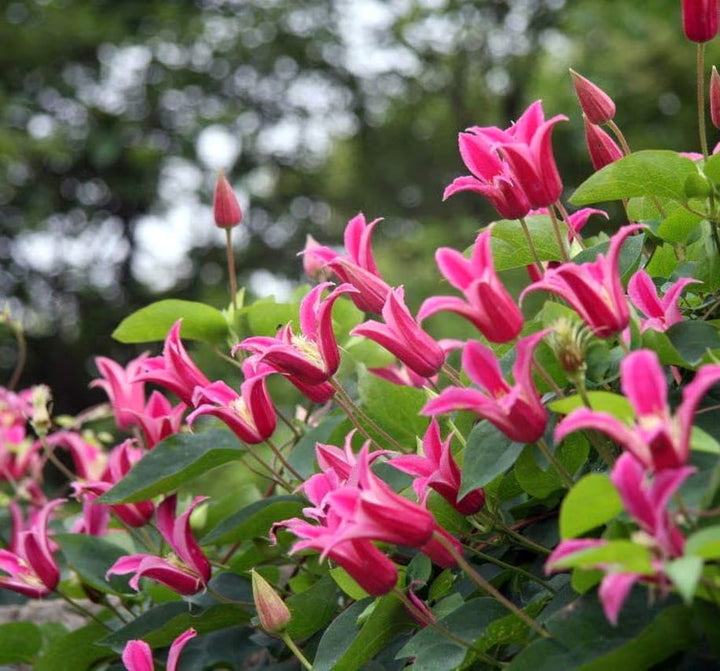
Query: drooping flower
(401, 335)
(249, 414)
(226, 209)
(160, 419)
(700, 19)
(186, 570)
(437, 469)
(123, 387)
(487, 304)
(663, 312)
(516, 410)
(28, 566)
(596, 105)
(646, 499)
(357, 267)
(593, 289)
(174, 370)
(312, 357)
(658, 439)
(89, 460)
(602, 148)
(137, 654)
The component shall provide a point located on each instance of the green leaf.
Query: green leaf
(510, 248)
(264, 317)
(255, 520)
(692, 339)
(600, 401)
(704, 543)
(174, 462)
(488, 453)
(19, 642)
(542, 479)
(394, 407)
(624, 555)
(591, 502)
(77, 650)
(712, 168)
(90, 557)
(678, 225)
(642, 173)
(162, 624)
(302, 457)
(629, 254)
(347, 583)
(313, 609)
(685, 573)
(152, 323)
(346, 647)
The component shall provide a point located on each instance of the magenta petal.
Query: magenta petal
(614, 590)
(137, 656)
(644, 383)
(176, 648)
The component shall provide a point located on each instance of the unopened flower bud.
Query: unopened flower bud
(315, 258)
(226, 208)
(596, 105)
(701, 19)
(602, 148)
(272, 612)
(40, 401)
(569, 341)
(715, 97)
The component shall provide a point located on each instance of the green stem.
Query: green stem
(531, 244)
(700, 61)
(21, 356)
(296, 651)
(487, 587)
(512, 568)
(452, 375)
(81, 609)
(284, 461)
(231, 268)
(518, 538)
(600, 448)
(558, 234)
(566, 218)
(562, 471)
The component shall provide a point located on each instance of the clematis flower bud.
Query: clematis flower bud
(272, 612)
(701, 19)
(226, 208)
(602, 148)
(715, 97)
(596, 105)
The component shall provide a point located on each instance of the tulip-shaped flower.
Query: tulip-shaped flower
(312, 357)
(646, 499)
(160, 419)
(517, 411)
(401, 335)
(597, 106)
(527, 147)
(438, 470)
(663, 312)
(357, 268)
(249, 414)
(174, 370)
(123, 387)
(700, 19)
(658, 439)
(88, 459)
(186, 570)
(28, 566)
(602, 148)
(488, 304)
(137, 655)
(593, 289)
(491, 176)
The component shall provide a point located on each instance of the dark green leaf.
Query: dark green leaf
(488, 453)
(312, 610)
(76, 651)
(338, 637)
(642, 173)
(174, 462)
(19, 642)
(255, 520)
(302, 457)
(629, 254)
(692, 339)
(151, 323)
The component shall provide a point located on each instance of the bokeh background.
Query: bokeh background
(116, 117)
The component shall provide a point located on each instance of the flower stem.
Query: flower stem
(487, 587)
(557, 464)
(81, 609)
(531, 244)
(231, 268)
(701, 98)
(513, 568)
(284, 461)
(296, 651)
(558, 234)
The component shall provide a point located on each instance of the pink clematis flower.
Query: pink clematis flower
(15, 409)
(137, 655)
(488, 305)
(700, 19)
(28, 565)
(401, 335)
(357, 268)
(312, 357)
(491, 177)
(596, 105)
(89, 460)
(186, 570)
(123, 387)
(663, 312)
(593, 289)
(174, 370)
(602, 148)
(249, 414)
(517, 411)
(160, 419)
(646, 499)
(438, 470)
(658, 439)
